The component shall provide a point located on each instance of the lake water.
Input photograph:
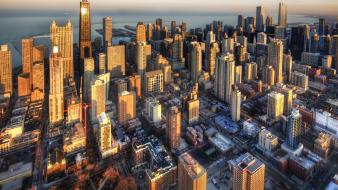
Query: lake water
(13, 28)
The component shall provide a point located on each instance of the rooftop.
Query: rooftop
(193, 168)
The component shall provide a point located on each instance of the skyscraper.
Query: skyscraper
(107, 31)
(225, 76)
(173, 130)
(191, 175)
(116, 61)
(321, 27)
(141, 59)
(85, 35)
(102, 63)
(250, 71)
(275, 106)
(98, 99)
(275, 58)
(89, 68)
(193, 105)
(62, 37)
(24, 84)
(38, 80)
(195, 60)
(294, 129)
(104, 134)
(211, 58)
(283, 15)
(236, 105)
(56, 101)
(106, 79)
(126, 107)
(228, 45)
(287, 66)
(240, 21)
(248, 173)
(6, 84)
(173, 28)
(141, 30)
(134, 84)
(27, 55)
(260, 18)
(150, 31)
(288, 99)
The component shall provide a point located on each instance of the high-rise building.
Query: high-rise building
(191, 175)
(166, 69)
(85, 34)
(39, 53)
(321, 27)
(150, 31)
(27, 55)
(211, 58)
(56, 101)
(225, 76)
(38, 79)
(251, 70)
(134, 84)
(154, 82)
(287, 66)
(106, 79)
(126, 107)
(104, 133)
(141, 30)
(193, 105)
(107, 31)
(153, 110)
(283, 15)
(240, 21)
(228, 45)
(275, 58)
(260, 18)
(335, 48)
(74, 110)
(24, 84)
(238, 74)
(62, 37)
(236, 105)
(269, 21)
(248, 173)
(275, 106)
(300, 80)
(141, 59)
(269, 75)
(294, 129)
(195, 60)
(262, 38)
(116, 62)
(288, 99)
(177, 48)
(173, 28)
(6, 84)
(102, 63)
(98, 99)
(89, 68)
(173, 130)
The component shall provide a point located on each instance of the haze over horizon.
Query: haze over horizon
(323, 7)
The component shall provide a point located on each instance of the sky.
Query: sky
(309, 7)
